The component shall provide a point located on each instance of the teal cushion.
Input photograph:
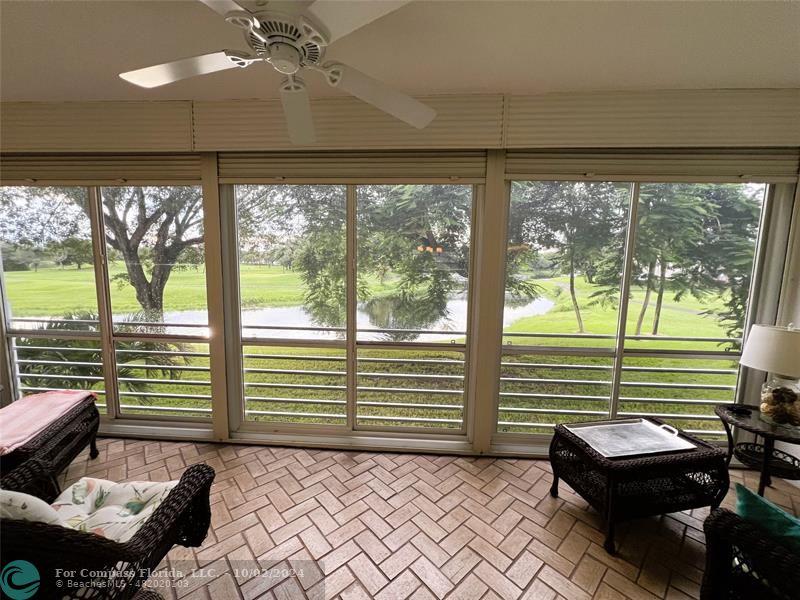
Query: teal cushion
(780, 524)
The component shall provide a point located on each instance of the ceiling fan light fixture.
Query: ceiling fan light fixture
(284, 58)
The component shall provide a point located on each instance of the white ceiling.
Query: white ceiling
(74, 49)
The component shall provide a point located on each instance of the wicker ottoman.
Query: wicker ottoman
(58, 444)
(621, 489)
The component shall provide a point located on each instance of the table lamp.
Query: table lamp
(776, 350)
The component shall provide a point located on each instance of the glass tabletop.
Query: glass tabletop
(754, 423)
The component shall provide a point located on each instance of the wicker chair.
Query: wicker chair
(182, 518)
(743, 562)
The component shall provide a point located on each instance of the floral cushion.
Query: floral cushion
(16, 505)
(113, 510)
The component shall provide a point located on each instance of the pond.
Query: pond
(376, 321)
(281, 321)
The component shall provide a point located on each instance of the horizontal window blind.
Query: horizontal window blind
(323, 166)
(658, 119)
(26, 169)
(654, 165)
(348, 124)
(96, 126)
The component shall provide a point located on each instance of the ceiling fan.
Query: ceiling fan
(292, 44)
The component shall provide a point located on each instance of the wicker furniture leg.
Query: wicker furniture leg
(611, 488)
(553, 462)
(93, 451)
(765, 480)
(729, 434)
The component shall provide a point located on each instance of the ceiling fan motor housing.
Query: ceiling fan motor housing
(288, 43)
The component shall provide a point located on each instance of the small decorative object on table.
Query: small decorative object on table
(633, 468)
(780, 405)
(776, 350)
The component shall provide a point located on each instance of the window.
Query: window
(51, 297)
(563, 262)
(46, 245)
(155, 258)
(346, 303)
(155, 264)
(412, 287)
(292, 287)
(688, 288)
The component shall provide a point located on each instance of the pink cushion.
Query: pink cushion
(24, 419)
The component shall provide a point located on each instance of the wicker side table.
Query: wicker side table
(628, 488)
(765, 457)
(59, 443)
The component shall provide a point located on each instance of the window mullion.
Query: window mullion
(102, 285)
(624, 293)
(351, 254)
(212, 238)
(487, 310)
(234, 349)
(8, 360)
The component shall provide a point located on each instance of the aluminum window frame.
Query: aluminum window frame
(763, 296)
(244, 429)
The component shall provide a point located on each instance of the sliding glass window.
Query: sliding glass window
(412, 288)
(563, 263)
(50, 293)
(687, 290)
(292, 289)
(155, 264)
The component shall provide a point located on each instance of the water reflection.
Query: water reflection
(444, 324)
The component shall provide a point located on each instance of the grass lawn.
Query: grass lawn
(299, 374)
(41, 293)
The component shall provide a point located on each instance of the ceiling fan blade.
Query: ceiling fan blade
(223, 7)
(297, 110)
(380, 95)
(342, 17)
(150, 77)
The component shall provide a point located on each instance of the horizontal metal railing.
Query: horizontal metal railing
(146, 382)
(536, 394)
(405, 390)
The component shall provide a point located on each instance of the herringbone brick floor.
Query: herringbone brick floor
(393, 526)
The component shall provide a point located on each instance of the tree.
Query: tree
(576, 219)
(165, 221)
(39, 216)
(696, 239)
(419, 233)
(74, 251)
(670, 221)
(149, 227)
(723, 255)
(17, 257)
(301, 227)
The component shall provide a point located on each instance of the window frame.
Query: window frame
(490, 193)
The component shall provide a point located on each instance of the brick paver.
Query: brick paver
(376, 525)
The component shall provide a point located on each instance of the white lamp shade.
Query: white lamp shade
(773, 349)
